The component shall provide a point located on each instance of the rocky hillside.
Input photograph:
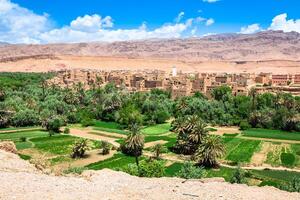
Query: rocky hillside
(269, 45)
(20, 180)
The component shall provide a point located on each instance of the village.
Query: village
(180, 83)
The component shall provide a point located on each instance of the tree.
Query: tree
(222, 93)
(198, 132)
(209, 151)
(105, 146)
(134, 142)
(191, 132)
(253, 94)
(128, 115)
(158, 149)
(54, 124)
(79, 148)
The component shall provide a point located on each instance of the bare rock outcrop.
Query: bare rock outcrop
(20, 180)
(8, 147)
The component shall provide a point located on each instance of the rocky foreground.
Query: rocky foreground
(20, 180)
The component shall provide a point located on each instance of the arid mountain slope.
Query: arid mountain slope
(264, 51)
(20, 180)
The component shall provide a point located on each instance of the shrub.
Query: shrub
(85, 122)
(147, 168)
(152, 168)
(23, 139)
(66, 131)
(105, 146)
(189, 171)
(244, 125)
(293, 186)
(54, 124)
(287, 159)
(75, 170)
(25, 118)
(79, 148)
(238, 176)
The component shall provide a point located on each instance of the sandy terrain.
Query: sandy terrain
(119, 63)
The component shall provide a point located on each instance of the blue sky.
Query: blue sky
(112, 20)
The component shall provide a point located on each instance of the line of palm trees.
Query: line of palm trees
(193, 139)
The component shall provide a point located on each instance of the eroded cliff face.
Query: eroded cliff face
(20, 180)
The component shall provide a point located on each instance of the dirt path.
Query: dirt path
(87, 135)
(227, 130)
(151, 144)
(259, 157)
(20, 130)
(270, 140)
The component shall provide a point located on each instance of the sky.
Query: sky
(66, 21)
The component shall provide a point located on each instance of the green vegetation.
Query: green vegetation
(118, 161)
(28, 134)
(189, 171)
(173, 169)
(243, 151)
(108, 125)
(58, 144)
(111, 127)
(27, 101)
(157, 129)
(19, 129)
(272, 134)
(278, 177)
(288, 159)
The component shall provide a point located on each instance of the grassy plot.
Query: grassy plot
(224, 172)
(272, 177)
(28, 134)
(58, 144)
(240, 150)
(111, 127)
(157, 129)
(19, 128)
(171, 140)
(173, 169)
(271, 134)
(118, 161)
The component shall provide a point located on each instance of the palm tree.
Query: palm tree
(198, 132)
(158, 149)
(135, 142)
(209, 151)
(253, 95)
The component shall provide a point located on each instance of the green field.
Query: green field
(111, 127)
(240, 150)
(272, 134)
(58, 144)
(118, 161)
(19, 128)
(157, 129)
(28, 134)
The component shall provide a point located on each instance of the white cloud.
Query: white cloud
(253, 28)
(21, 25)
(179, 17)
(210, 1)
(280, 22)
(68, 34)
(209, 22)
